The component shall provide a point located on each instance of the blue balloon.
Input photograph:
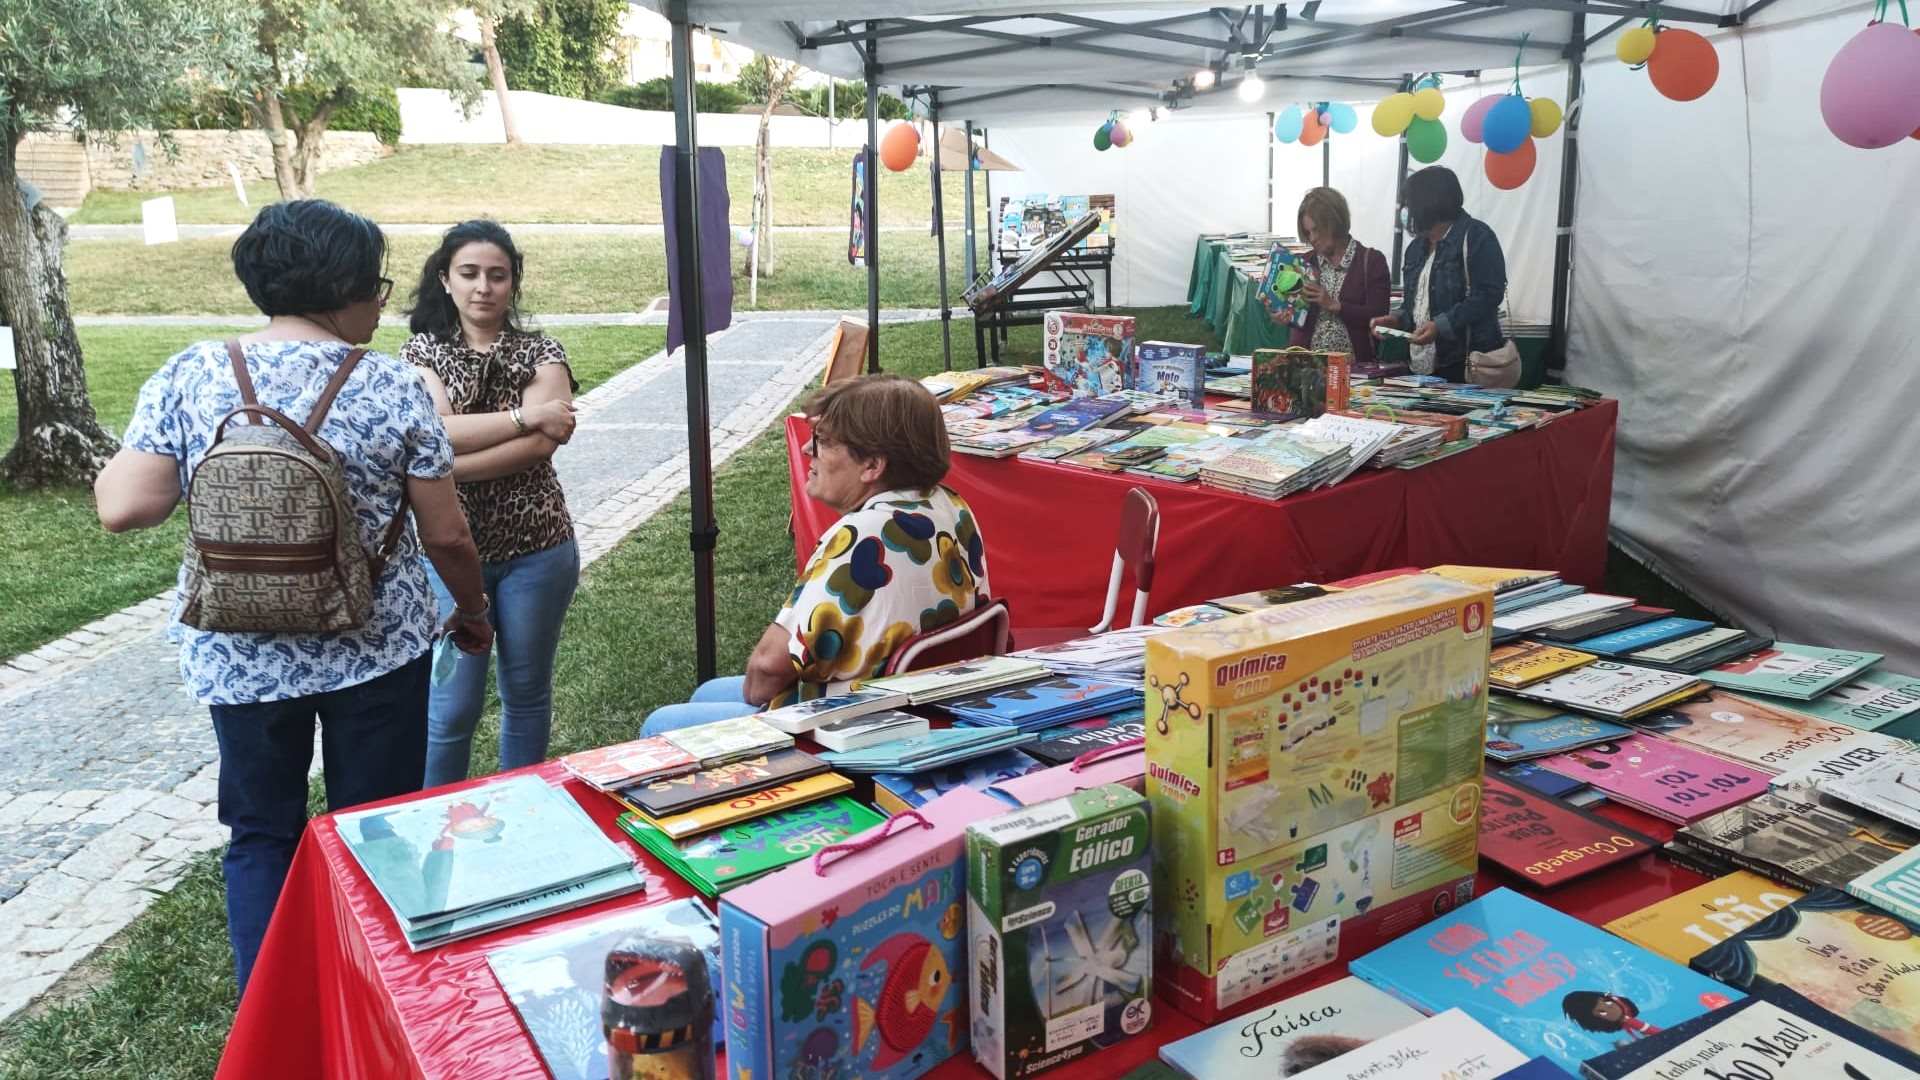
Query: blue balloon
(1287, 126)
(1508, 124)
(1341, 117)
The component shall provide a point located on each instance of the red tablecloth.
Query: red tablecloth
(1537, 500)
(337, 994)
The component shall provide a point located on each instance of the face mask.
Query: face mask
(1406, 220)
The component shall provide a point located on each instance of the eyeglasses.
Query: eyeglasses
(386, 289)
(816, 444)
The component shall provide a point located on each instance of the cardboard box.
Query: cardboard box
(1060, 925)
(855, 965)
(1314, 775)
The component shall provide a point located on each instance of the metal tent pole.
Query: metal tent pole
(973, 266)
(1399, 192)
(703, 532)
(873, 208)
(1270, 144)
(1326, 162)
(1569, 184)
(940, 241)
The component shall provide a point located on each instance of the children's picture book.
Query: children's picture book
(557, 981)
(1280, 286)
(1646, 635)
(438, 857)
(1548, 983)
(1801, 672)
(1300, 383)
(1893, 886)
(676, 794)
(1045, 703)
(715, 815)
(737, 854)
(1581, 627)
(1498, 578)
(953, 680)
(729, 740)
(944, 746)
(898, 792)
(610, 767)
(1803, 843)
(1289, 1037)
(803, 716)
(1770, 738)
(1077, 414)
(1666, 779)
(1686, 924)
(1446, 1046)
(1066, 743)
(1838, 951)
(1522, 730)
(1523, 663)
(1538, 1068)
(1164, 367)
(1091, 354)
(1773, 1033)
(1529, 775)
(1876, 701)
(1547, 842)
(863, 731)
(1889, 787)
(1685, 646)
(1556, 611)
(1614, 691)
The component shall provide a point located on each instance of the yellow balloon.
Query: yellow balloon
(1546, 116)
(1429, 103)
(1392, 115)
(1635, 45)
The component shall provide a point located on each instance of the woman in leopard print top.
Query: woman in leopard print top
(506, 396)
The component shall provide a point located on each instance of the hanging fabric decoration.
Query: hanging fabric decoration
(1870, 96)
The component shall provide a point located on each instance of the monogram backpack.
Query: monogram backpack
(272, 542)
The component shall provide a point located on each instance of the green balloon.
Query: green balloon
(1102, 137)
(1426, 140)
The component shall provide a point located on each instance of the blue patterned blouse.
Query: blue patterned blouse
(384, 426)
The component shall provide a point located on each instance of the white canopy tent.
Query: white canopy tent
(1738, 267)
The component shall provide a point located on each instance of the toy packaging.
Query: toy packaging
(853, 962)
(1059, 916)
(1314, 775)
(1090, 354)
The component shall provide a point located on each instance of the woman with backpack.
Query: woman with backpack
(301, 593)
(506, 395)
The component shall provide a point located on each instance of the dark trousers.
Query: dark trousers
(373, 738)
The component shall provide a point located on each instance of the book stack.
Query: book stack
(934, 750)
(1061, 446)
(1363, 438)
(610, 768)
(804, 716)
(1276, 465)
(1115, 654)
(1046, 703)
(502, 852)
(724, 794)
(1233, 386)
(956, 680)
(729, 740)
(1040, 426)
(732, 856)
(896, 792)
(950, 385)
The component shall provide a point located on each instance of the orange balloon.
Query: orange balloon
(1683, 65)
(899, 146)
(1510, 170)
(1311, 129)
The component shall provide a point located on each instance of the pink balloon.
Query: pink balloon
(1476, 118)
(1870, 97)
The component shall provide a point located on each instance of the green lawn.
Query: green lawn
(98, 573)
(167, 996)
(564, 274)
(616, 184)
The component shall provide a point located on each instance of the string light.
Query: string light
(1203, 79)
(1252, 88)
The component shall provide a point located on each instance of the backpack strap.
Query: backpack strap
(332, 390)
(377, 561)
(241, 377)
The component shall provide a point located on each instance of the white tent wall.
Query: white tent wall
(1742, 284)
(1179, 178)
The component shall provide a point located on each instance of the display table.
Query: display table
(1537, 499)
(336, 993)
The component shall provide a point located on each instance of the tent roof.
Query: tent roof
(987, 60)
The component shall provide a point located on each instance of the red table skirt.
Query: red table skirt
(1535, 500)
(337, 994)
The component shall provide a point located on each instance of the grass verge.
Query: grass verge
(636, 603)
(44, 595)
(589, 184)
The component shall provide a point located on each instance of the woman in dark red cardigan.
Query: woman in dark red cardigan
(1353, 280)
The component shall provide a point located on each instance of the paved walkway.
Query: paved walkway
(109, 782)
(531, 228)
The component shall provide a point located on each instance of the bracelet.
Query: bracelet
(474, 616)
(519, 423)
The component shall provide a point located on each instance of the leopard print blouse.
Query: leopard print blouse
(516, 515)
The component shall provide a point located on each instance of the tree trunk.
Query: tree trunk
(266, 108)
(60, 440)
(497, 72)
(763, 188)
(307, 137)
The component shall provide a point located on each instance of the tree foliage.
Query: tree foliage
(563, 47)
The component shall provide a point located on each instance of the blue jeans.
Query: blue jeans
(716, 699)
(528, 599)
(373, 738)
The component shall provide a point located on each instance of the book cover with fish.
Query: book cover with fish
(1546, 982)
(854, 962)
(1773, 1035)
(1666, 779)
(1838, 951)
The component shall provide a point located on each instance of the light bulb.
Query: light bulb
(1203, 79)
(1252, 88)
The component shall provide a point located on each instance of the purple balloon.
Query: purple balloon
(1870, 97)
(1476, 118)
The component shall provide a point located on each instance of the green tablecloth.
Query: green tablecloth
(1247, 324)
(1200, 278)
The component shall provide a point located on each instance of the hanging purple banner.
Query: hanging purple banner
(716, 266)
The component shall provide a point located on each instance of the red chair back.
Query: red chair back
(984, 631)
